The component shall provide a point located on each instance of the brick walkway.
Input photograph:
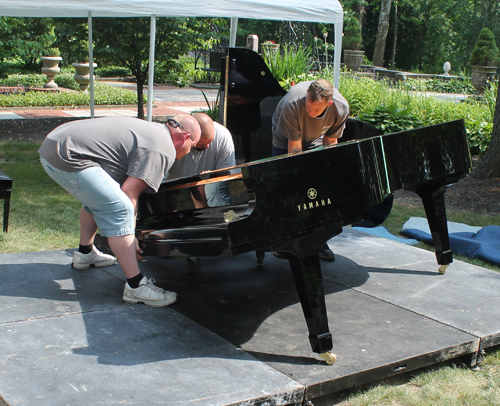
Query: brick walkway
(159, 109)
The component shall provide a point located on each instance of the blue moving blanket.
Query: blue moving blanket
(473, 242)
(384, 232)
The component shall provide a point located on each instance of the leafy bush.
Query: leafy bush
(31, 80)
(104, 95)
(289, 82)
(461, 86)
(390, 120)
(289, 63)
(65, 79)
(203, 76)
(212, 107)
(479, 135)
(51, 52)
(395, 109)
(177, 73)
(490, 96)
(363, 94)
(112, 71)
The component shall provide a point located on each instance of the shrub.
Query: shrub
(485, 52)
(289, 62)
(490, 96)
(363, 94)
(31, 80)
(51, 52)
(104, 95)
(395, 109)
(212, 107)
(462, 86)
(479, 135)
(390, 120)
(177, 73)
(64, 79)
(67, 80)
(112, 71)
(352, 34)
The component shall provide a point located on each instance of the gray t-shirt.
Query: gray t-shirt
(122, 146)
(291, 121)
(219, 155)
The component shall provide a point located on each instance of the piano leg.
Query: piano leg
(309, 283)
(435, 210)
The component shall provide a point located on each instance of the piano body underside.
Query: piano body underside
(296, 203)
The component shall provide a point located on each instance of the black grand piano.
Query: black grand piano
(295, 203)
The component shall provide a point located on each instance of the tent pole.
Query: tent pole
(91, 65)
(336, 53)
(233, 29)
(151, 73)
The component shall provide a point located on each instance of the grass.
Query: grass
(45, 217)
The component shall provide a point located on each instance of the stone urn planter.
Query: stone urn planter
(480, 74)
(51, 69)
(82, 75)
(353, 59)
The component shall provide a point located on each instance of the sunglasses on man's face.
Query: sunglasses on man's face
(175, 124)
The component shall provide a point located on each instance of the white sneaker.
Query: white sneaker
(96, 257)
(149, 294)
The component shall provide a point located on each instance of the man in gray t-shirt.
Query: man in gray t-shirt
(310, 115)
(215, 150)
(106, 163)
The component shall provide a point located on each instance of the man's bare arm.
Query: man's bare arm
(329, 141)
(133, 187)
(294, 146)
(199, 197)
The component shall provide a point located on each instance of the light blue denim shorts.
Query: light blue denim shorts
(100, 195)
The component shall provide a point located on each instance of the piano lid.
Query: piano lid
(249, 94)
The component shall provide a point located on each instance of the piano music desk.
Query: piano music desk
(5, 191)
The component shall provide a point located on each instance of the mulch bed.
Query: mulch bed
(480, 196)
(468, 194)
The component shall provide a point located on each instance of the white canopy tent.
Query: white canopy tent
(319, 11)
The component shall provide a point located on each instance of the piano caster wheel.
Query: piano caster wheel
(260, 257)
(329, 357)
(442, 269)
(194, 265)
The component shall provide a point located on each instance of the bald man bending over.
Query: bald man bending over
(106, 163)
(214, 150)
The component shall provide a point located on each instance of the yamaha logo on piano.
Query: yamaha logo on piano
(312, 194)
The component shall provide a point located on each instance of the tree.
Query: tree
(125, 42)
(383, 29)
(265, 29)
(26, 38)
(489, 165)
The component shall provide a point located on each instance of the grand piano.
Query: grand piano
(295, 203)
